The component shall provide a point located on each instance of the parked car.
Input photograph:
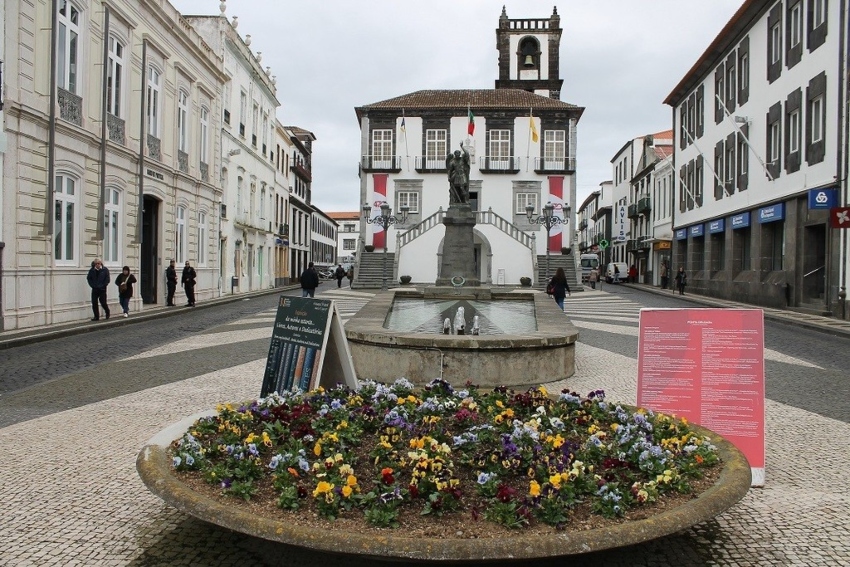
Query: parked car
(327, 274)
(622, 276)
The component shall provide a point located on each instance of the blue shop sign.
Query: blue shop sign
(741, 220)
(772, 213)
(697, 230)
(681, 234)
(823, 198)
(716, 226)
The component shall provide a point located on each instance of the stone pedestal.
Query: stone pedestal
(458, 247)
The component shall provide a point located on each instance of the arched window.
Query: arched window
(111, 230)
(529, 51)
(65, 231)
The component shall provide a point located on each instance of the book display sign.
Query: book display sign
(707, 365)
(308, 348)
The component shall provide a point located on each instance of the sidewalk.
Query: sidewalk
(29, 335)
(829, 325)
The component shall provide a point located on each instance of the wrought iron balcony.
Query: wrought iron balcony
(633, 212)
(644, 205)
(583, 224)
(70, 106)
(301, 170)
(426, 164)
(498, 164)
(380, 163)
(115, 128)
(644, 242)
(183, 161)
(557, 165)
(154, 148)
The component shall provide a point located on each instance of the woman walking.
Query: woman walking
(558, 287)
(681, 280)
(125, 281)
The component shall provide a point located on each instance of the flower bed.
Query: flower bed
(386, 456)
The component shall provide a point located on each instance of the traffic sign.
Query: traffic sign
(603, 244)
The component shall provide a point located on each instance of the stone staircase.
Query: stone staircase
(566, 261)
(370, 270)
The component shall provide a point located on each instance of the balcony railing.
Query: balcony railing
(498, 164)
(631, 245)
(380, 163)
(633, 212)
(644, 205)
(644, 243)
(115, 129)
(154, 148)
(559, 165)
(183, 161)
(583, 224)
(301, 170)
(70, 106)
(430, 165)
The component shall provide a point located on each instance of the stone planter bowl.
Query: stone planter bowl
(405, 279)
(154, 467)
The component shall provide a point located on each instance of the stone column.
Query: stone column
(458, 246)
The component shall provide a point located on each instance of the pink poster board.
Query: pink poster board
(707, 365)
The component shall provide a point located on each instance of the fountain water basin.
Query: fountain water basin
(524, 338)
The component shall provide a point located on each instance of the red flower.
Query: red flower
(387, 476)
(505, 493)
(414, 491)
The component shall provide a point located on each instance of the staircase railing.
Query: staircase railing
(414, 232)
(503, 224)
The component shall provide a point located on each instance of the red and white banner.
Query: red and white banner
(556, 197)
(839, 217)
(707, 365)
(379, 197)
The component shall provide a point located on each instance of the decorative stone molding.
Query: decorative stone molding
(115, 129)
(183, 161)
(70, 107)
(154, 148)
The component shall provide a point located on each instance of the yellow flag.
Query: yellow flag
(534, 136)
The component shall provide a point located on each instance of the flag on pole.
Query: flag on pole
(534, 136)
(402, 124)
(470, 129)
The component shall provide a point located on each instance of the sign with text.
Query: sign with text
(707, 365)
(308, 348)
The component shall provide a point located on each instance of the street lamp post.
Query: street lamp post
(384, 220)
(548, 220)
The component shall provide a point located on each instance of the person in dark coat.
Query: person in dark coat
(188, 282)
(681, 280)
(559, 287)
(171, 282)
(309, 281)
(125, 281)
(98, 279)
(339, 273)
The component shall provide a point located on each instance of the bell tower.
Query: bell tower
(529, 54)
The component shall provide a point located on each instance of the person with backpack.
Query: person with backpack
(558, 287)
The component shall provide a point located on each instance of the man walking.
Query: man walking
(339, 273)
(188, 283)
(309, 281)
(98, 279)
(171, 282)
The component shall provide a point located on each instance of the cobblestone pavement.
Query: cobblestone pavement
(72, 496)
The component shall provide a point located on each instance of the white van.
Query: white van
(620, 275)
(589, 262)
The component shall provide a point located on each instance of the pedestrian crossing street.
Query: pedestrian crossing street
(592, 310)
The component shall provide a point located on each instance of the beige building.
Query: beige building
(112, 113)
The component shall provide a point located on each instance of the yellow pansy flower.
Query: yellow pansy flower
(534, 488)
(346, 491)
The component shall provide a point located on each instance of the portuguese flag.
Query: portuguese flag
(470, 128)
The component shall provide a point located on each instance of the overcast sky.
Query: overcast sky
(619, 59)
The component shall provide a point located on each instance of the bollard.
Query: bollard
(842, 295)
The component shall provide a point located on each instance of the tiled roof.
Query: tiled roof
(345, 216)
(663, 151)
(480, 99)
(664, 135)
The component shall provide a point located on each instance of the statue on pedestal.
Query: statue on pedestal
(457, 167)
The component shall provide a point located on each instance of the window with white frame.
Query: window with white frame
(239, 189)
(182, 121)
(68, 46)
(349, 243)
(154, 101)
(816, 110)
(65, 197)
(382, 148)
(775, 44)
(525, 199)
(204, 133)
(794, 132)
(202, 239)
(743, 156)
(744, 72)
(818, 12)
(408, 199)
(255, 117)
(731, 83)
(436, 148)
(243, 112)
(115, 77)
(263, 203)
(554, 149)
(111, 230)
(500, 149)
(796, 24)
(349, 227)
(775, 142)
(730, 166)
(180, 237)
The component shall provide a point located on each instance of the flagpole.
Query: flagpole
(528, 145)
(406, 149)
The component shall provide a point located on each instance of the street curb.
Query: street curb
(41, 334)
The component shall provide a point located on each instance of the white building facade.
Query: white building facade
(113, 155)
(760, 158)
(300, 198)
